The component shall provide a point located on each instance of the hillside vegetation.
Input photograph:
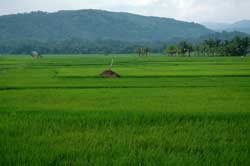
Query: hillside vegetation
(97, 31)
(93, 25)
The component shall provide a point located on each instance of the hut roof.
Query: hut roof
(110, 74)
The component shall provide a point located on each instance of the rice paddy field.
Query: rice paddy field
(162, 111)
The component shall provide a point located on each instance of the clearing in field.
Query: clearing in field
(162, 111)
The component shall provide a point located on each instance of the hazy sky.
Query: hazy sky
(189, 10)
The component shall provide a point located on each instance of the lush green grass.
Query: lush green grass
(162, 111)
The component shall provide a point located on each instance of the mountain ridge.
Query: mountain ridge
(92, 24)
(241, 26)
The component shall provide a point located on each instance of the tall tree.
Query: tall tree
(185, 47)
(172, 50)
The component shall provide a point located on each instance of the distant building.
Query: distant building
(36, 55)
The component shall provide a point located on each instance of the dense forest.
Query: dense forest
(210, 46)
(76, 46)
(95, 25)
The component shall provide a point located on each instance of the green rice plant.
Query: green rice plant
(162, 111)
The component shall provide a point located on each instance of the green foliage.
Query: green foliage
(184, 47)
(162, 111)
(238, 47)
(172, 50)
(214, 47)
(75, 46)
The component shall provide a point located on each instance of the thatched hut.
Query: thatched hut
(36, 55)
(110, 74)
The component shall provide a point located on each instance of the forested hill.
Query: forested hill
(240, 26)
(95, 25)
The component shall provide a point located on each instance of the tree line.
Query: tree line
(75, 46)
(238, 46)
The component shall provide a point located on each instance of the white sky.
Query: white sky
(189, 10)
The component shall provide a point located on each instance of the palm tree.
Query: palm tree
(146, 50)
